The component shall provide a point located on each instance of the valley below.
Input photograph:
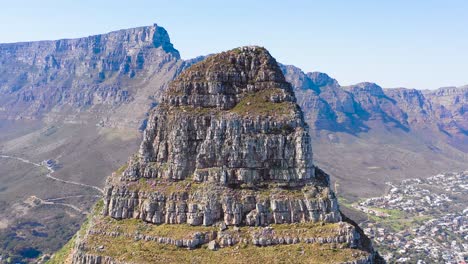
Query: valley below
(42, 218)
(43, 205)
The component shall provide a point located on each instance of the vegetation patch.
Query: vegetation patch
(184, 231)
(309, 229)
(61, 256)
(164, 186)
(259, 103)
(120, 170)
(129, 250)
(396, 220)
(137, 226)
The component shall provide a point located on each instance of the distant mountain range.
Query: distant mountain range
(348, 108)
(82, 102)
(368, 135)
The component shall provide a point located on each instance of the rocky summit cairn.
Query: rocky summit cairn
(225, 161)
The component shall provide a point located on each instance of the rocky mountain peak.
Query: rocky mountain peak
(225, 155)
(160, 38)
(229, 124)
(231, 93)
(223, 80)
(367, 88)
(315, 81)
(322, 79)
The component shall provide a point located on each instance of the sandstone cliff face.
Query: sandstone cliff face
(98, 73)
(416, 108)
(326, 105)
(227, 148)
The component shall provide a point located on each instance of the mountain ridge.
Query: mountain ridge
(411, 132)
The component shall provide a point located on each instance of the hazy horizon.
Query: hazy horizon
(414, 45)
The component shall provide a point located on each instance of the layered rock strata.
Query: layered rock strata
(231, 126)
(102, 75)
(227, 159)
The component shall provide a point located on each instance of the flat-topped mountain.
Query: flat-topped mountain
(97, 74)
(225, 169)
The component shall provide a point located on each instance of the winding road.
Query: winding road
(52, 201)
(49, 175)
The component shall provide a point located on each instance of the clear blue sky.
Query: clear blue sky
(419, 44)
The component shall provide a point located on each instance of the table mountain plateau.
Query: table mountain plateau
(97, 73)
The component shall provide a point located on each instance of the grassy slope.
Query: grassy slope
(126, 248)
(149, 252)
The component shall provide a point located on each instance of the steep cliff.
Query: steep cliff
(225, 163)
(450, 107)
(345, 108)
(98, 74)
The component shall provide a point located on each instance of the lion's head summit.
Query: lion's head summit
(225, 169)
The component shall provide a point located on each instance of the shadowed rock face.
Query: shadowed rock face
(450, 106)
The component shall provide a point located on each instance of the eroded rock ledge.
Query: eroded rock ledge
(162, 201)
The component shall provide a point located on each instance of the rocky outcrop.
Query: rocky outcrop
(230, 123)
(227, 155)
(82, 258)
(210, 204)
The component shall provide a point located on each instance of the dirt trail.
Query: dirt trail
(35, 201)
(51, 171)
(71, 196)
